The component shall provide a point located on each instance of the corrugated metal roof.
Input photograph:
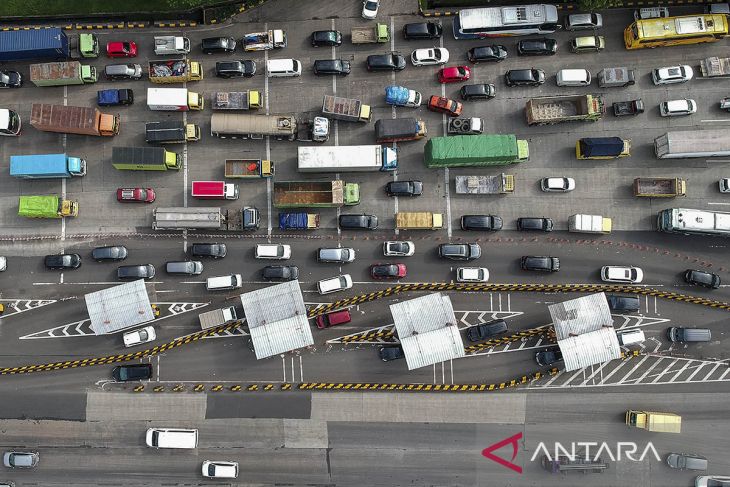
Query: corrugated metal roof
(119, 307)
(591, 348)
(427, 330)
(580, 315)
(277, 319)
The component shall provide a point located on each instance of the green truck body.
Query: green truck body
(145, 159)
(46, 207)
(315, 194)
(62, 74)
(475, 150)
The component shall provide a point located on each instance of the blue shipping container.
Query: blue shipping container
(19, 45)
(44, 166)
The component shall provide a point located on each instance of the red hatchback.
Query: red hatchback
(134, 195)
(445, 105)
(454, 74)
(121, 49)
(387, 271)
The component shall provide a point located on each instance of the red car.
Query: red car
(333, 318)
(387, 271)
(445, 105)
(121, 49)
(454, 74)
(132, 195)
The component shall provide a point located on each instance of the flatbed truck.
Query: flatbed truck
(237, 100)
(564, 108)
(370, 34)
(660, 187)
(346, 109)
(217, 317)
(73, 120)
(496, 184)
(315, 194)
(248, 168)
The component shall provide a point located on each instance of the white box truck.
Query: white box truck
(589, 224)
(347, 158)
(173, 99)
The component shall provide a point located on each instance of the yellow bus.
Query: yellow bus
(672, 31)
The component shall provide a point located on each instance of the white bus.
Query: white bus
(694, 222)
(479, 23)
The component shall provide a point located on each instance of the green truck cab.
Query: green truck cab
(145, 159)
(50, 206)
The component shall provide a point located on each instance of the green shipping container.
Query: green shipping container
(475, 150)
(38, 207)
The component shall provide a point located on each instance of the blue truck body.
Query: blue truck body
(113, 97)
(46, 166)
(300, 220)
(22, 45)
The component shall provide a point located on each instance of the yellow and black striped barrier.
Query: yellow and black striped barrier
(542, 330)
(374, 335)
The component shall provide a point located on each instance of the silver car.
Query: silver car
(20, 459)
(583, 22)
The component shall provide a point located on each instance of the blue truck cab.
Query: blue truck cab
(109, 98)
(46, 166)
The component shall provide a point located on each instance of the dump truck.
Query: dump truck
(249, 168)
(50, 43)
(371, 34)
(660, 187)
(50, 206)
(214, 190)
(418, 220)
(347, 109)
(654, 421)
(465, 126)
(715, 67)
(46, 166)
(175, 71)
(692, 143)
(346, 158)
(62, 74)
(564, 108)
(237, 100)
(73, 120)
(113, 97)
(263, 41)
(401, 96)
(173, 99)
(298, 221)
(145, 159)
(399, 129)
(316, 194)
(179, 218)
(589, 224)
(602, 148)
(171, 132)
(475, 150)
(171, 45)
(496, 184)
(281, 127)
(217, 317)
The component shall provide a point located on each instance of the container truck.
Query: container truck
(399, 129)
(73, 120)
(51, 43)
(114, 97)
(171, 132)
(217, 317)
(715, 67)
(692, 143)
(62, 74)
(145, 159)
(401, 96)
(248, 168)
(214, 190)
(602, 148)
(660, 187)
(654, 421)
(50, 206)
(475, 150)
(465, 126)
(10, 123)
(346, 158)
(281, 127)
(46, 166)
(171, 45)
(589, 224)
(347, 109)
(173, 99)
(237, 100)
(371, 34)
(175, 71)
(179, 218)
(418, 220)
(319, 194)
(263, 41)
(497, 184)
(298, 221)
(564, 108)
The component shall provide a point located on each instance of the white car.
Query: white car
(429, 57)
(334, 284)
(557, 185)
(370, 9)
(672, 74)
(621, 273)
(402, 248)
(3, 263)
(676, 108)
(139, 336)
(724, 184)
(712, 481)
(472, 274)
(220, 470)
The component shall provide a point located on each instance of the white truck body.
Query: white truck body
(217, 317)
(342, 158)
(589, 224)
(692, 143)
(168, 99)
(171, 45)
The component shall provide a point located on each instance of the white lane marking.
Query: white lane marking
(649, 370)
(665, 371)
(711, 372)
(268, 143)
(713, 203)
(643, 359)
(674, 377)
(90, 283)
(716, 121)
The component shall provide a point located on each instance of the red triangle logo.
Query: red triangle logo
(487, 452)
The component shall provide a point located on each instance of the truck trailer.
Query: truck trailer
(175, 71)
(370, 34)
(399, 129)
(418, 220)
(171, 132)
(248, 168)
(298, 221)
(50, 206)
(475, 150)
(660, 187)
(173, 99)
(564, 108)
(214, 190)
(237, 100)
(281, 127)
(589, 224)
(602, 148)
(315, 194)
(497, 184)
(346, 109)
(212, 218)
(62, 74)
(654, 421)
(46, 166)
(217, 317)
(346, 158)
(73, 120)
(263, 41)
(171, 45)
(692, 143)
(145, 159)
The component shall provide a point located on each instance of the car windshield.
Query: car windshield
(143, 335)
(371, 4)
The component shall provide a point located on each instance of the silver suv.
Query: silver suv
(336, 255)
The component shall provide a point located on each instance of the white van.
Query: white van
(222, 283)
(334, 284)
(283, 68)
(630, 337)
(272, 251)
(573, 77)
(172, 438)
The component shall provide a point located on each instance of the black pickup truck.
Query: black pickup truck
(631, 107)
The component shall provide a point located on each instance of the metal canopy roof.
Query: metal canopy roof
(427, 330)
(119, 307)
(590, 348)
(580, 315)
(277, 319)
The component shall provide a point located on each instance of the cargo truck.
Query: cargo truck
(564, 108)
(46, 207)
(73, 120)
(346, 158)
(249, 168)
(399, 129)
(171, 132)
(214, 190)
(475, 150)
(418, 220)
(660, 187)
(114, 97)
(263, 41)
(217, 317)
(10, 123)
(654, 421)
(316, 194)
(171, 45)
(298, 221)
(692, 143)
(83, 46)
(497, 184)
(589, 224)
(371, 34)
(347, 109)
(145, 159)
(465, 126)
(211, 218)
(51, 43)
(401, 96)
(715, 67)
(173, 99)
(237, 100)
(281, 127)
(602, 148)
(175, 71)
(62, 74)
(46, 166)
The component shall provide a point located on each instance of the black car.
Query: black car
(325, 38)
(623, 303)
(524, 77)
(280, 273)
(235, 69)
(386, 62)
(481, 222)
(388, 271)
(548, 357)
(63, 261)
(332, 66)
(10, 79)
(702, 278)
(212, 45)
(537, 47)
(124, 373)
(404, 188)
(358, 222)
(492, 53)
(144, 271)
(391, 353)
(460, 251)
(535, 224)
(539, 263)
(113, 253)
(485, 330)
(482, 91)
(422, 30)
(215, 250)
